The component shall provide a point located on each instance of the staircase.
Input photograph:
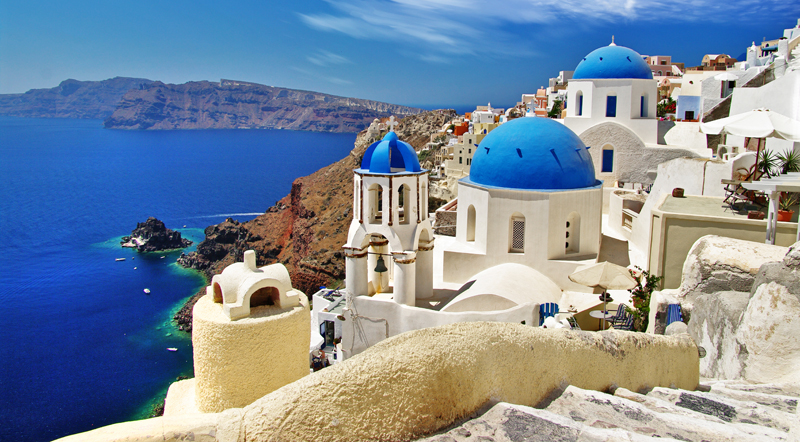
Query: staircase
(794, 59)
(720, 411)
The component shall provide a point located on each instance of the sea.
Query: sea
(81, 344)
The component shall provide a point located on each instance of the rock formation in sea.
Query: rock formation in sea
(71, 99)
(153, 236)
(239, 105)
(306, 229)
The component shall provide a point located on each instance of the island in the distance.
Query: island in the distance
(153, 236)
(230, 104)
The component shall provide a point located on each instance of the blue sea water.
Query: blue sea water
(81, 344)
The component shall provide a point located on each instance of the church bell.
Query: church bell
(381, 266)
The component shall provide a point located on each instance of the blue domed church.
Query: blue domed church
(390, 241)
(531, 198)
(611, 105)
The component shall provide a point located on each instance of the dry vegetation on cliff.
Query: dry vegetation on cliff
(307, 228)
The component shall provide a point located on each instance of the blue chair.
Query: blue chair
(626, 324)
(621, 316)
(547, 309)
(674, 313)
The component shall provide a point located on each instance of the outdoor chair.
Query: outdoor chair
(626, 324)
(674, 313)
(573, 323)
(622, 313)
(547, 309)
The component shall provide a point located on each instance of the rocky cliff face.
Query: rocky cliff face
(153, 236)
(234, 105)
(71, 99)
(307, 228)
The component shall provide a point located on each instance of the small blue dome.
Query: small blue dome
(612, 62)
(390, 153)
(532, 153)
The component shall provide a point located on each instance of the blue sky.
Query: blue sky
(416, 52)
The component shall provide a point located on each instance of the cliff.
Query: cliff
(307, 228)
(153, 236)
(239, 105)
(71, 99)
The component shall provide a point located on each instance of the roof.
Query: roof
(612, 62)
(390, 155)
(532, 153)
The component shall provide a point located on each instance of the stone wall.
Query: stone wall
(422, 381)
(750, 333)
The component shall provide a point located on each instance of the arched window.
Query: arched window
(608, 159)
(375, 204)
(579, 104)
(516, 237)
(264, 296)
(572, 234)
(217, 293)
(471, 223)
(403, 204)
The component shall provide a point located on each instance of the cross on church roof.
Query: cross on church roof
(392, 123)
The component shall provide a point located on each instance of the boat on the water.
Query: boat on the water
(147, 291)
(120, 259)
(172, 349)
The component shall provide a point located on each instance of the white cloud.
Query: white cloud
(325, 58)
(459, 26)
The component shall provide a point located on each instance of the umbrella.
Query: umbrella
(605, 275)
(757, 123)
(726, 76)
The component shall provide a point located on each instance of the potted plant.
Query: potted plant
(789, 161)
(785, 204)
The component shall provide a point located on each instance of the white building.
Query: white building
(531, 198)
(529, 216)
(612, 99)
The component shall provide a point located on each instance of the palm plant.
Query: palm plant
(768, 163)
(789, 161)
(787, 201)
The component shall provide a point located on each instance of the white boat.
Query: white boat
(120, 259)
(147, 291)
(172, 349)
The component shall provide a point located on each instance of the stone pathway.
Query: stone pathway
(719, 411)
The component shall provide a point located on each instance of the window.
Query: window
(460, 160)
(573, 233)
(471, 223)
(375, 203)
(403, 204)
(689, 115)
(579, 107)
(611, 106)
(608, 159)
(643, 107)
(517, 237)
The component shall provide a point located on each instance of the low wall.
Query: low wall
(373, 320)
(420, 382)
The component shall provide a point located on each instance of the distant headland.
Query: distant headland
(137, 103)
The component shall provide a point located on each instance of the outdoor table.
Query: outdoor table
(600, 316)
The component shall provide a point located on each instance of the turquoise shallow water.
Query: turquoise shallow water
(81, 345)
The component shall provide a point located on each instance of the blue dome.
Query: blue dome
(612, 62)
(390, 153)
(532, 153)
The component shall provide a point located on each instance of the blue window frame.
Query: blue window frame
(611, 106)
(608, 160)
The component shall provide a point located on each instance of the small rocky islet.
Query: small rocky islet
(153, 236)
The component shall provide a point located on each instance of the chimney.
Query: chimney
(250, 259)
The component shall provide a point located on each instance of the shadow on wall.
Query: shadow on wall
(663, 128)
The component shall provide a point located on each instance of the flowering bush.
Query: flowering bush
(646, 284)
